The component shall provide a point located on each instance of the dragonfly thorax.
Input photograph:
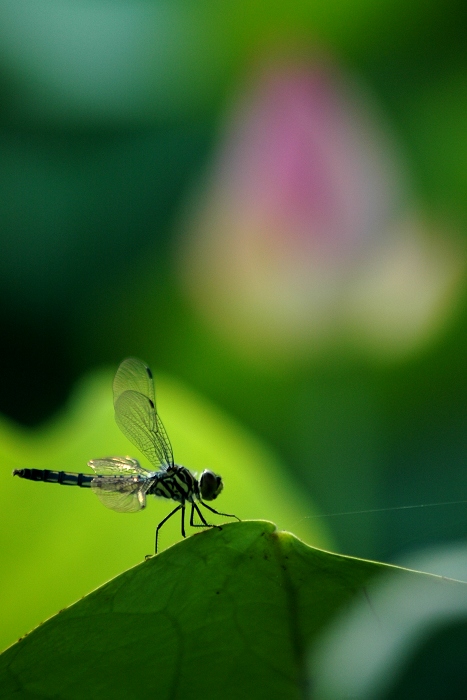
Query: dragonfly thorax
(177, 484)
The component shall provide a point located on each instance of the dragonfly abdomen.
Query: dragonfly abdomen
(52, 477)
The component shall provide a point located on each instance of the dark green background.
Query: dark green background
(91, 194)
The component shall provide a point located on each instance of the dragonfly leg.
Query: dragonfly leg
(226, 515)
(183, 520)
(203, 521)
(167, 518)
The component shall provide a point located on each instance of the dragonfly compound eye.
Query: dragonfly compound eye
(210, 485)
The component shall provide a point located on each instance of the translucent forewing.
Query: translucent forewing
(122, 466)
(136, 414)
(133, 375)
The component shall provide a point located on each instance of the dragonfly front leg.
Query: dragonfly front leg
(201, 517)
(226, 515)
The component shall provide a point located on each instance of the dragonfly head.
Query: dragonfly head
(210, 485)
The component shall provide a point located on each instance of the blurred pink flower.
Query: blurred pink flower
(296, 216)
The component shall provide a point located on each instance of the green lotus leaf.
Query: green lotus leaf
(225, 614)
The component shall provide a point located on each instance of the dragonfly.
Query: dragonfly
(122, 483)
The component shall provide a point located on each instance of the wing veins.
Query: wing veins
(124, 494)
(137, 419)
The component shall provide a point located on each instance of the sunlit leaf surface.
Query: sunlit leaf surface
(227, 613)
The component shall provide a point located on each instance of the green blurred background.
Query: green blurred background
(268, 204)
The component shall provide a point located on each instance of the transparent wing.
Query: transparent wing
(123, 466)
(125, 494)
(133, 375)
(136, 417)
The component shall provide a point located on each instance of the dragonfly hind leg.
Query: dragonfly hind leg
(175, 510)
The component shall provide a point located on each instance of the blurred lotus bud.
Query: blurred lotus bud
(405, 290)
(291, 244)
